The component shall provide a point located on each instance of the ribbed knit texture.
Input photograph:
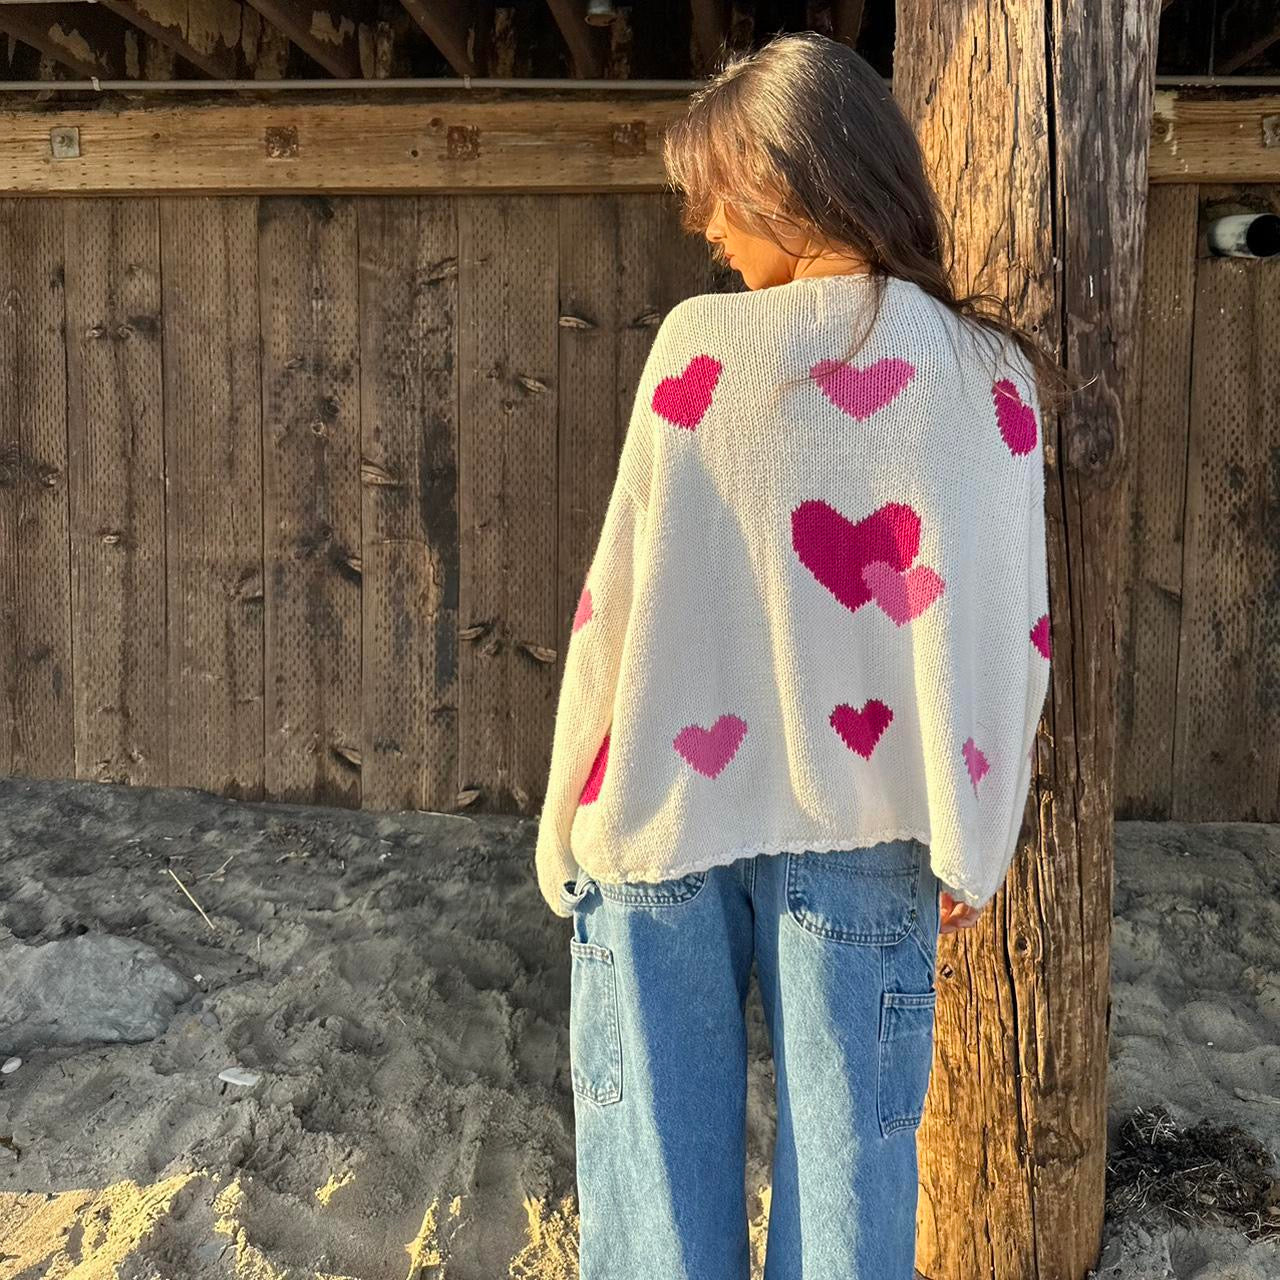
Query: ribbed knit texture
(816, 617)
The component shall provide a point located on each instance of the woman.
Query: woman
(800, 694)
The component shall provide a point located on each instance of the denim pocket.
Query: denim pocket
(906, 1056)
(595, 1038)
(866, 896)
(659, 893)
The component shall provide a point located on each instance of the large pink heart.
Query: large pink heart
(835, 550)
(709, 750)
(861, 730)
(595, 779)
(1017, 421)
(902, 596)
(1040, 635)
(584, 611)
(683, 399)
(862, 392)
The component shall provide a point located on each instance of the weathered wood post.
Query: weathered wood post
(1035, 118)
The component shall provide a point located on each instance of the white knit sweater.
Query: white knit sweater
(816, 617)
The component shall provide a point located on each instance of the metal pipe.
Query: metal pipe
(1218, 82)
(311, 86)
(1246, 235)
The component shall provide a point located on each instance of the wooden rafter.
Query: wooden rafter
(709, 27)
(321, 29)
(196, 33)
(1246, 30)
(446, 30)
(846, 21)
(585, 43)
(77, 36)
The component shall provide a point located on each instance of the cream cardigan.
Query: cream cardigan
(817, 614)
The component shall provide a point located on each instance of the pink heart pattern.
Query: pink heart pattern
(860, 731)
(1016, 420)
(976, 762)
(595, 779)
(684, 400)
(584, 610)
(902, 596)
(862, 392)
(835, 550)
(709, 750)
(1040, 635)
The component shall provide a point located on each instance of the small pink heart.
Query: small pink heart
(1017, 421)
(861, 730)
(595, 779)
(976, 761)
(709, 750)
(684, 399)
(902, 596)
(583, 615)
(862, 392)
(1040, 635)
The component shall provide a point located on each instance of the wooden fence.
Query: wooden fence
(1198, 731)
(297, 493)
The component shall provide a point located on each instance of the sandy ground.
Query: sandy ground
(402, 991)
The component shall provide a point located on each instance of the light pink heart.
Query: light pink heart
(595, 779)
(684, 399)
(709, 750)
(860, 731)
(862, 392)
(1017, 421)
(976, 762)
(902, 596)
(584, 611)
(1040, 635)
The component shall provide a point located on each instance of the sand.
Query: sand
(402, 992)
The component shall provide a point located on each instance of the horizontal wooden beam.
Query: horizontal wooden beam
(461, 144)
(454, 145)
(1202, 139)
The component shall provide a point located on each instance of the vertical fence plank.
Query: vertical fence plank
(508, 308)
(115, 425)
(213, 458)
(311, 494)
(36, 708)
(1227, 735)
(1156, 478)
(409, 426)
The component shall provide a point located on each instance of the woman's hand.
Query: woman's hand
(953, 915)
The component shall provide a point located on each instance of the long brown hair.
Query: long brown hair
(802, 135)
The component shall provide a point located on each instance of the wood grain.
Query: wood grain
(213, 461)
(115, 429)
(311, 498)
(1013, 1144)
(409, 465)
(37, 732)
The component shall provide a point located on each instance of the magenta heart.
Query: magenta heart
(976, 762)
(1040, 635)
(584, 611)
(595, 779)
(683, 400)
(709, 750)
(902, 596)
(1017, 421)
(862, 392)
(835, 550)
(861, 730)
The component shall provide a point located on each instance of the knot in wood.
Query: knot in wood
(1090, 447)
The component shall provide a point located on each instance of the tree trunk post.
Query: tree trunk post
(1035, 120)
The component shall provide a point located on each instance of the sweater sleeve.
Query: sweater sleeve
(983, 668)
(584, 710)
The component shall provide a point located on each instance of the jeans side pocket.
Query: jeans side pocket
(906, 1057)
(595, 1037)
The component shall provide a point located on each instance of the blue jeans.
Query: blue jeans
(845, 946)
